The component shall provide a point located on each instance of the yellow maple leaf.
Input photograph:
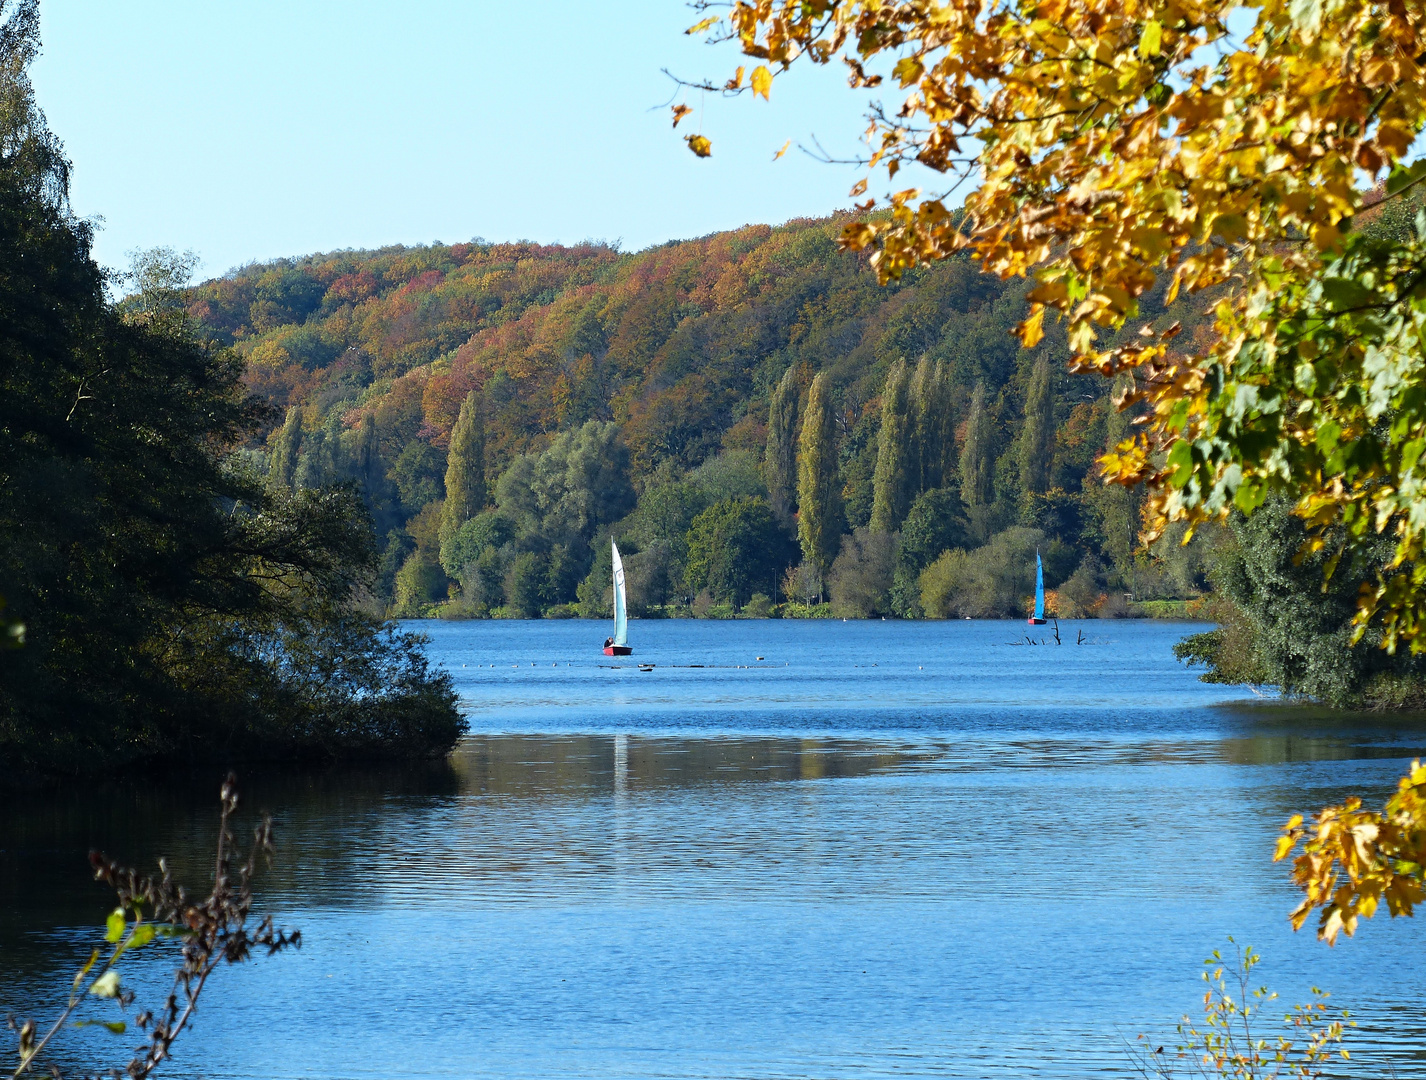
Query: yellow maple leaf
(761, 81)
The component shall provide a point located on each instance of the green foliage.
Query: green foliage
(1037, 437)
(977, 454)
(1280, 626)
(729, 475)
(933, 428)
(286, 448)
(893, 480)
(819, 522)
(759, 606)
(991, 582)
(465, 469)
(419, 583)
(418, 475)
(935, 523)
(528, 585)
(736, 548)
(567, 492)
(491, 529)
(782, 432)
(861, 576)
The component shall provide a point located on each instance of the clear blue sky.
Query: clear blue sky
(256, 129)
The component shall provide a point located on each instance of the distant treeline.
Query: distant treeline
(750, 415)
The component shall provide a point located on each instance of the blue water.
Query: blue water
(832, 850)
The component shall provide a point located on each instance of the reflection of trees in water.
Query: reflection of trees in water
(516, 817)
(535, 766)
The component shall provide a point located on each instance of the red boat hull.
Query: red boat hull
(617, 650)
(1036, 622)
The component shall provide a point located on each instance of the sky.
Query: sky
(252, 129)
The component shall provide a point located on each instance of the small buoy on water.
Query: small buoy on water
(759, 657)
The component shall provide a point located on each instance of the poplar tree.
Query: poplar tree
(465, 469)
(780, 466)
(282, 467)
(890, 482)
(819, 520)
(977, 462)
(1037, 437)
(920, 406)
(932, 427)
(945, 427)
(368, 458)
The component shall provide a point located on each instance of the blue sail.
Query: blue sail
(621, 613)
(1039, 588)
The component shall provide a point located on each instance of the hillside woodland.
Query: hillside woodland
(759, 424)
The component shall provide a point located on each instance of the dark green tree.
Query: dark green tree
(418, 474)
(1279, 627)
(1037, 436)
(528, 585)
(780, 462)
(977, 464)
(935, 523)
(932, 423)
(736, 548)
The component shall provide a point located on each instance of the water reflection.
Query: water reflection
(969, 892)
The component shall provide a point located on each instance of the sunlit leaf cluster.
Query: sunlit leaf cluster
(1352, 861)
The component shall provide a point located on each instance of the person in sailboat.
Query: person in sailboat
(608, 641)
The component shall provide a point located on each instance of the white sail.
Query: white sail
(621, 608)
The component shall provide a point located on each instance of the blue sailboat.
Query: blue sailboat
(1038, 619)
(618, 645)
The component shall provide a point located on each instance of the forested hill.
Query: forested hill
(682, 348)
(678, 344)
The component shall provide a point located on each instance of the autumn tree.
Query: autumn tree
(977, 463)
(465, 469)
(819, 520)
(894, 464)
(1037, 436)
(780, 464)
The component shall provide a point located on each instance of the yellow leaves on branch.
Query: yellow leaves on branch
(1354, 860)
(679, 112)
(761, 82)
(699, 145)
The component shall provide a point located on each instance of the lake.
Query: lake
(786, 849)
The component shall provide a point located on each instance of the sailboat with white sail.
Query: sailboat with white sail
(618, 645)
